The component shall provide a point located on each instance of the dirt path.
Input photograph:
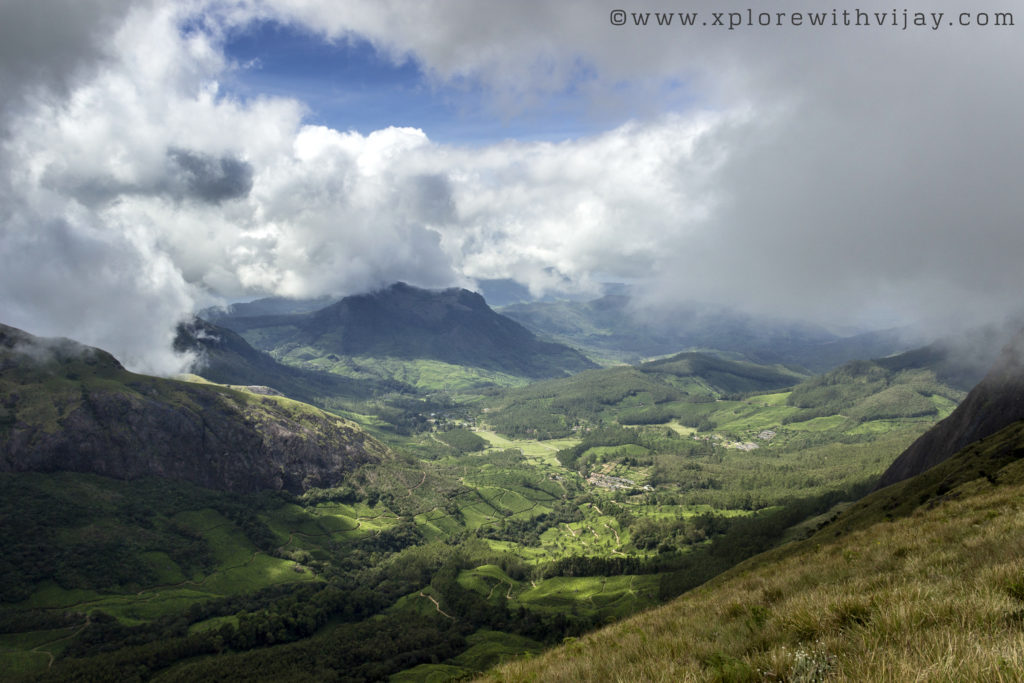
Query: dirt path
(419, 484)
(604, 584)
(501, 582)
(436, 605)
(49, 655)
(570, 529)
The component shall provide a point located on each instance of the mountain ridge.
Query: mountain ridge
(454, 326)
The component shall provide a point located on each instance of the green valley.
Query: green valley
(363, 341)
(497, 522)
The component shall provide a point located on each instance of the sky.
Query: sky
(157, 158)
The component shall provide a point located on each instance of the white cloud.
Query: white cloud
(143, 193)
(836, 175)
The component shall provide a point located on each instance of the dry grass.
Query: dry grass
(934, 596)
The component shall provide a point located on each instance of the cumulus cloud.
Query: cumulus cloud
(842, 175)
(865, 172)
(558, 216)
(65, 276)
(132, 200)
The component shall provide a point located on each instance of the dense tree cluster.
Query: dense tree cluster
(463, 440)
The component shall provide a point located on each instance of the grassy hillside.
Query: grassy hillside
(408, 376)
(415, 562)
(867, 390)
(711, 394)
(653, 392)
(922, 579)
(726, 376)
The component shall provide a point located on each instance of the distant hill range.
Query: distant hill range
(996, 402)
(69, 407)
(612, 328)
(453, 326)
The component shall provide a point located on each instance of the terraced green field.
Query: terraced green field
(609, 596)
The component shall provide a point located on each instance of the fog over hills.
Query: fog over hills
(615, 326)
(817, 173)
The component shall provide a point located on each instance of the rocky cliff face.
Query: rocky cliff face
(997, 401)
(72, 408)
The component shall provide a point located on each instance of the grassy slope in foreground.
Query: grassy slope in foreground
(923, 580)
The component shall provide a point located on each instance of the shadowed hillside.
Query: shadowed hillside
(226, 358)
(68, 407)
